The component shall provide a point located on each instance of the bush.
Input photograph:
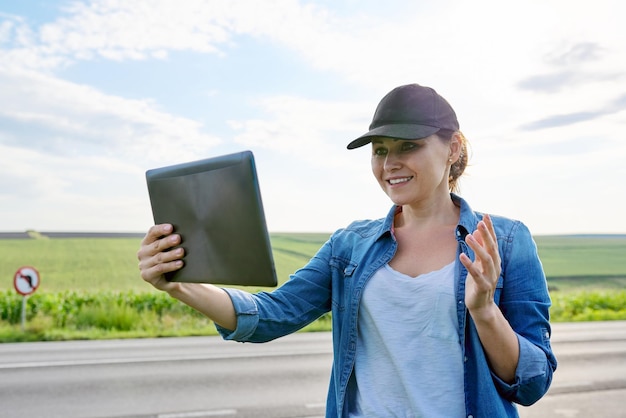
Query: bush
(10, 307)
(588, 306)
(105, 314)
(71, 315)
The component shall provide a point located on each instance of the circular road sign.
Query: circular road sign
(26, 280)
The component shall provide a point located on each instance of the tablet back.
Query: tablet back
(215, 205)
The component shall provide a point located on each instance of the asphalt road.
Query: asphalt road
(207, 377)
(590, 381)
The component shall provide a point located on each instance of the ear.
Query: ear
(455, 147)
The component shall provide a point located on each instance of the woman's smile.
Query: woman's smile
(399, 180)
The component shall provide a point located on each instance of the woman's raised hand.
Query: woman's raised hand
(484, 272)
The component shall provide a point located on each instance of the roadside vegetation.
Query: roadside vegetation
(91, 289)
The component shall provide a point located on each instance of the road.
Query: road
(207, 377)
(590, 381)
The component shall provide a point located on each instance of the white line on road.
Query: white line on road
(196, 414)
(94, 362)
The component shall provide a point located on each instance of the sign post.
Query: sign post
(25, 281)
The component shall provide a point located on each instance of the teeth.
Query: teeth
(402, 180)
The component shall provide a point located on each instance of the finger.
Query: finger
(483, 267)
(487, 237)
(466, 261)
(487, 220)
(486, 226)
(161, 262)
(476, 242)
(481, 255)
(166, 243)
(167, 256)
(151, 246)
(156, 232)
(148, 260)
(147, 246)
(475, 273)
(158, 270)
(491, 242)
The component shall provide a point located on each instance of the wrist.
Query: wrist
(485, 314)
(176, 290)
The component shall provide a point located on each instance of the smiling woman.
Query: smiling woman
(470, 285)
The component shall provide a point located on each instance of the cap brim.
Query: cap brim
(399, 131)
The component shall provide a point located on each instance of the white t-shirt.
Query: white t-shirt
(409, 359)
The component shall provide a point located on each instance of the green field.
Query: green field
(91, 264)
(91, 288)
(584, 262)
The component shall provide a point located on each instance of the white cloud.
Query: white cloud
(59, 115)
(311, 130)
(122, 30)
(503, 67)
(91, 192)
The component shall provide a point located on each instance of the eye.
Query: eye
(379, 151)
(408, 146)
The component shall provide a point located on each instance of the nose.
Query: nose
(392, 162)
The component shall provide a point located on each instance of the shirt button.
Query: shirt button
(465, 359)
(470, 416)
(547, 335)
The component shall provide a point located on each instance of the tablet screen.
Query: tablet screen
(215, 205)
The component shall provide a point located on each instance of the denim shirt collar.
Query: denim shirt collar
(467, 219)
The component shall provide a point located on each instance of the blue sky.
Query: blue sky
(94, 93)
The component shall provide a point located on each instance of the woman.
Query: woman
(437, 310)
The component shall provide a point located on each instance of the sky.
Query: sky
(94, 93)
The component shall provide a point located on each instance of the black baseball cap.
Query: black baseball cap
(409, 112)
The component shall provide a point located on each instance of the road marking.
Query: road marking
(196, 414)
(580, 383)
(568, 413)
(106, 361)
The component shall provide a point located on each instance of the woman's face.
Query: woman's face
(412, 171)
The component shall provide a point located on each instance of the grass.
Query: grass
(103, 314)
(588, 306)
(576, 256)
(94, 264)
(584, 263)
(90, 287)
(91, 264)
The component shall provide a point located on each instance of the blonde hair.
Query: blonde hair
(458, 167)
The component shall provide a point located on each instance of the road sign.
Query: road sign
(26, 280)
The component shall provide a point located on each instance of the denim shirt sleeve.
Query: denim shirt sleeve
(247, 316)
(525, 303)
(265, 316)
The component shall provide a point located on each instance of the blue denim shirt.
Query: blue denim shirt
(334, 280)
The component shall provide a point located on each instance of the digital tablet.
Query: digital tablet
(215, 205)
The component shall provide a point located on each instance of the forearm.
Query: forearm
(498, 340)
(209, 300)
